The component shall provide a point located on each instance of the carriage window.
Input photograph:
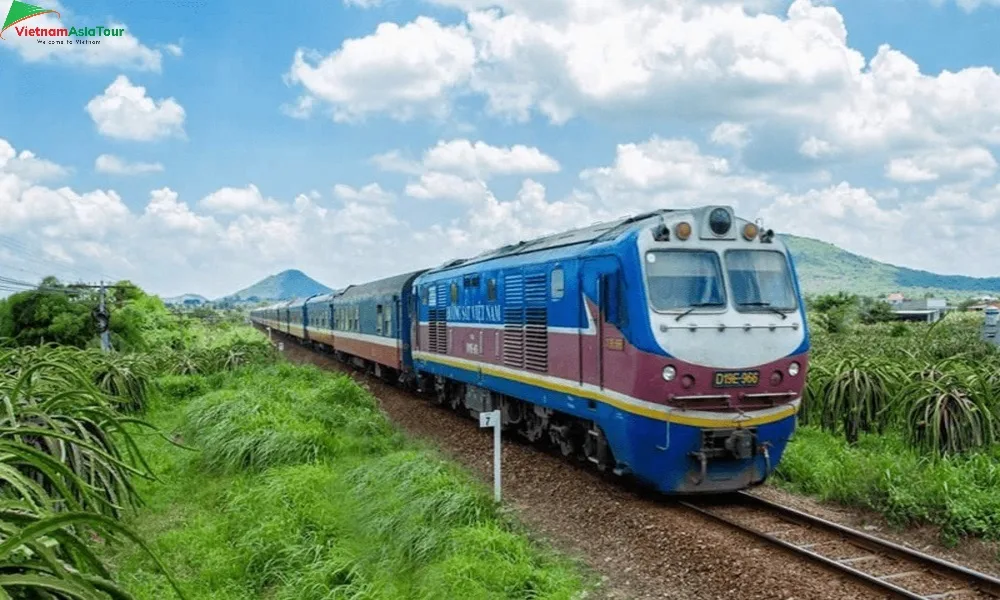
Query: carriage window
(432, 292)
(491, 289)
(387, 326)
(378, 319)
(683, 279)
(454, 293)
(423, 295)
(760, 280)
(557, 284)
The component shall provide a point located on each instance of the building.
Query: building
(895, 298)
(929, 310)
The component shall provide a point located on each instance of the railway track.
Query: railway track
(900, 571)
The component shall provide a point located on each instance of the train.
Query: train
(671, 347)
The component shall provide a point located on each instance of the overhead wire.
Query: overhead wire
(25, 254)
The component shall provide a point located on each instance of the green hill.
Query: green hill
(823, 267)
(283, 286)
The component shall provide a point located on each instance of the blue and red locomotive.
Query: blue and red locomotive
(671, 346)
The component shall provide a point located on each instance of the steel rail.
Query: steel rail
(978, 582)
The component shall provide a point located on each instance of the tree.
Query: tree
(836, 310)
(875, 310)
(54, 313)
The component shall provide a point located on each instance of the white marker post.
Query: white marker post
(492, 419)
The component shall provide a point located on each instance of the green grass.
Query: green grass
(903, 419)
(959, 494)
(299, 488)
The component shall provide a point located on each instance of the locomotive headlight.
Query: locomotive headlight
(719, 221)
(683, 230)
(669, 373)
(793, 369)
(749, 231)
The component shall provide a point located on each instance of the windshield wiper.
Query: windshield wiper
(766, 305)
(694, 306)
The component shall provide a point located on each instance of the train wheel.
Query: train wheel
(562, 436)
(536, 420)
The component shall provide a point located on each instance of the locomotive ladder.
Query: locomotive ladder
(890, 567)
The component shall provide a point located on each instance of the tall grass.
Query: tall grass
(937, 385)
(286, 415)
(67, 461)
(904, 419)
(303, 490)
(959, 494)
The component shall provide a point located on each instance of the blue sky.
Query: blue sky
(545, 116)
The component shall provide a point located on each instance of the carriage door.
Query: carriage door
(599, 280)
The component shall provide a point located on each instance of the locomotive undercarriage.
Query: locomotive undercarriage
(570, 436)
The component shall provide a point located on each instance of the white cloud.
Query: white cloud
(620, 59)
(31, 168)
(730, 134)
(968, 5)
(111, 164)
(51, 213)
(164, 209)
(483, 160)
(973, 162)
(813, 147)
(124, 111)
(403, 71)
(434, 185)
(229, 200)
(458, 169)
(394, 160)
(123, 52)
(363, 3)
(656, 171)
(906, 170)
(174, 49)
(369, 194)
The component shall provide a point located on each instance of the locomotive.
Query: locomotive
(671, 346)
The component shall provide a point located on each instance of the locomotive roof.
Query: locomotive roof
(387, 285)
(583, 235)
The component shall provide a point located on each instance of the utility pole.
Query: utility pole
(103, 319)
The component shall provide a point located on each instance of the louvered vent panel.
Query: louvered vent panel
(513, 321)
(536, 334)
(438, 331)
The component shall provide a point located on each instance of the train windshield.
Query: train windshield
(760, 280)
(682, 279)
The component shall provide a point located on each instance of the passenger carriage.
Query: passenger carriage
(371, 325)
(319, 319)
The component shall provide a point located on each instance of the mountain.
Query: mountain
(186, 298)
(823, 268)
(283, 286)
